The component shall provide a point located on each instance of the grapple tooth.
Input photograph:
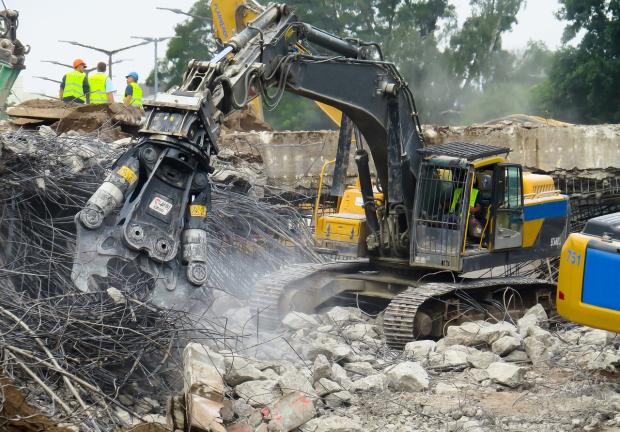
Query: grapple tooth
(94, 250)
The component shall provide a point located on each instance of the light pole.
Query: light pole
(57, 63)
(180, 12)
(154, 41)
(109, 53)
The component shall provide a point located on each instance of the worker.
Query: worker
(133, 91)
(475, 222)
(74, 85)
(101, 86)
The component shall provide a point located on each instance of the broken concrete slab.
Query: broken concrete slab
(505, 345)
(259, 393)
(299, 320)
(506, 374)
(407, 376)
(289, 412)
(481, 359)
(295, 381)
(332, 423)
(419, 350)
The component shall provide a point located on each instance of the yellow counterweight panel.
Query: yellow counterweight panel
(570, 288)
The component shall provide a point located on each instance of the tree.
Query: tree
(194, 40)
(583, 80)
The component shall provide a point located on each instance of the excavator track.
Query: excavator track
(270, 287)
(400, 316)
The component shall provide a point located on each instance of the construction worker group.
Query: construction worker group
(96, 87)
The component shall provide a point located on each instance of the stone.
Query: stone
(494, 332)
(372, 383)
(534, 317)
(481, 359)
(338, 399)
(204, 414)
(116, 295)
(201, 376)
(290, 411)
(298, 321)
(540, 348)
(478, 375)
(359, 368)
(324, 387)
(594, 337)
(506, 374)
(505, 345)
(329, 346)
(340, 315)
(296, 381)
(407, 376)
(360, 332)
(240, 370)
(605, 360)
(332, 423)
(467, 334)
(450, 359)
(258, 393)
(241, 408)
(339, 374)
(419, 350)
(517, 356)
(322, 368)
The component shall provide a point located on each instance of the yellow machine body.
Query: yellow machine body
(589, 281)
(345, 230)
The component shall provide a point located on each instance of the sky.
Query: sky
(44, 22)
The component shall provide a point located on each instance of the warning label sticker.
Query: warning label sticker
(160, 205)
(196, 210)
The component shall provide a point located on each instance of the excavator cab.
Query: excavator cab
(474, 210)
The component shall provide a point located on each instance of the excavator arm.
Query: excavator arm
(153, 208)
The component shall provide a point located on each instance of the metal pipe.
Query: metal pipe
(261, 22)
(331, 42)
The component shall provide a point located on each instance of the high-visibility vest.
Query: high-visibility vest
(136, 98)
(96, 82)
(74, 85)
(457, 195)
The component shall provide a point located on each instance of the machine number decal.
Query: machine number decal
(573, 257)
(161, 206)
(556, 241)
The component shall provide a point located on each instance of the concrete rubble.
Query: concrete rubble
(495, 378)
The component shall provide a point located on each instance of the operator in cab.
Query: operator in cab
(475, 224)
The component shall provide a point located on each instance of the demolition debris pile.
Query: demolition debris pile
(332, 372)
(83, 358)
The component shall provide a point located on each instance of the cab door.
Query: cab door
(507, 207)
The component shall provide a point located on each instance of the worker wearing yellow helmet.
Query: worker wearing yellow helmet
(74, 85)
(133, 91)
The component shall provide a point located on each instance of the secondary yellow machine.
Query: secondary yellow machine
(589, 282)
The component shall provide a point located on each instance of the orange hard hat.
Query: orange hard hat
(77, 63)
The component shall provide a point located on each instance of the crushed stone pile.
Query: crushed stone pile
(532, 374)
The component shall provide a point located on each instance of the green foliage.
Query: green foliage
(194, 40)
(583, 80)
(457, 74)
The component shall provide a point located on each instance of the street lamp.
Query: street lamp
(154, 41)
(109, 53)
(57, 63)
(180, 12)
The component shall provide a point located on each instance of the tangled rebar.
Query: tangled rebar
(71, 353)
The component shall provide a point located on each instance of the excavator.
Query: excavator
(588, 288)
(439, 221)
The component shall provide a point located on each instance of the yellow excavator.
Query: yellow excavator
(438, 223)
(589, 280)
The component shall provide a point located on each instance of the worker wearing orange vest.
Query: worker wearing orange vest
(101, 87)
(74, 85)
